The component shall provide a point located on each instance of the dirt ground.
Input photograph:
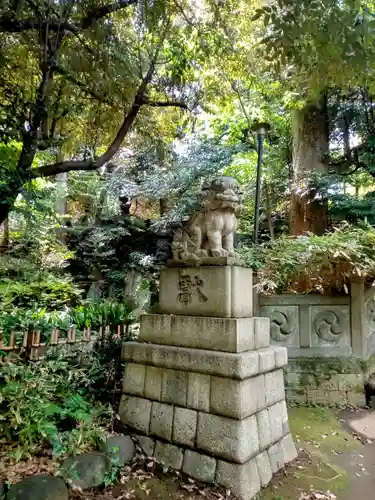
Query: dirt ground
(336, 462)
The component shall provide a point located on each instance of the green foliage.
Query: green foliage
(352, 209)
(37, 400)
(313, 263)
(108, 312)
(52, 294)
(319, 44)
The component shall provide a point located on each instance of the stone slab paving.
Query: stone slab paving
(362, 423)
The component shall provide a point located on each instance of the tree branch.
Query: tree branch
(95, 163)
(96, 14)
(10, 25)
(165, 104)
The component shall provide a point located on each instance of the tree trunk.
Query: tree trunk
(14, 189)
(5, 243)
(22, 175)
(310, 144)
(163, 206)
(4, 211)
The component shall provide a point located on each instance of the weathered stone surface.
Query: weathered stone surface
(216, 334)
(174, 387)
(135, 412)
(281, 356)
(39, 488)
(284, 416)
(153, 384)
(330, 383)
(210, 231)
(322, 396)
(243, 480)
(237, 398)
(169, 455)
(285, 321)
(330, 325)
(289, 449)
(198, 396)
(161, 420)
(134, 379)
(276, 418)
(274, 387)
(276, 456)
(147, 445)
(87, 470)
(267, 359)
(296, 396)
(264, 468)
(261, 332)
(209, 261)
(351, 382)
(155, 328)
(357, 399)
(222, 364)
(219, 291)
(119, 449)
(185, 426)
(264, 429)
(199, 466)
(234, 440)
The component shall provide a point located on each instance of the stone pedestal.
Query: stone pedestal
(203, 388)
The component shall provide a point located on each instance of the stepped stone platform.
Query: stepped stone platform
(203, 388)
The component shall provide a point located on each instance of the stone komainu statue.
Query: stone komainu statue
(210, 232)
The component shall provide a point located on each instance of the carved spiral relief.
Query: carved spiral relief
(281, 326)
(328, 326)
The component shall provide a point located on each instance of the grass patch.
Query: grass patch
(319, 428)
(318, 432)
(309, 471)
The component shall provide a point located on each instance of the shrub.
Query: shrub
(42, 403)
(53, 294)
(313, 263)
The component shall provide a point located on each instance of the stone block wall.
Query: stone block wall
(336, 381)
(330, 342)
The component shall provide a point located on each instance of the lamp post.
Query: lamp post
(261, 129)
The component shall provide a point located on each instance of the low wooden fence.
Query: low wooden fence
(33, 348)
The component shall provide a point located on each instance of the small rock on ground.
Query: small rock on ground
(86, 471)
(39, 488)
(120, 449)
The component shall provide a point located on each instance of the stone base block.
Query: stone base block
(208, 261)
(244, 480)
(237, 366)
(221, 291)
(235, 440)
(228, 397)
(215, 334)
